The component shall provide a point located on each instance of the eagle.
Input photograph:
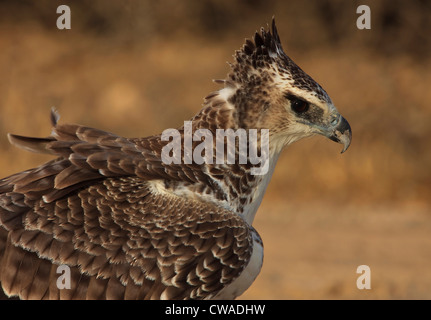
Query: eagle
(125, 224)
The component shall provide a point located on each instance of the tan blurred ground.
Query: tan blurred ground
(136, 68)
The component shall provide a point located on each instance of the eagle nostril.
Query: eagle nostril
(335, 121)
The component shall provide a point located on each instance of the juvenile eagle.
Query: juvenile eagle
(130, 226)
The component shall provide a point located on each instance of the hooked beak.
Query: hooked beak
(341, 133)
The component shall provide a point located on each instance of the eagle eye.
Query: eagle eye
(298, 105)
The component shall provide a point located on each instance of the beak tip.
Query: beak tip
(343, 135)
(345, 139)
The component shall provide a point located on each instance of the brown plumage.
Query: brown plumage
(93, 210)
(130, 226)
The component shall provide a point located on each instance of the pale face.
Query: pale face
(295, 113)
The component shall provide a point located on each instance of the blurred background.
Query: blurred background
(136, 68)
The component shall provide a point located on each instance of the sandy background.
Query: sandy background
(137, 67)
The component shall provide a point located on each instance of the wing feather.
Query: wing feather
(94, 210)
(139, 247)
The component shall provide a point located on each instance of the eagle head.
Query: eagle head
(269, 91)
